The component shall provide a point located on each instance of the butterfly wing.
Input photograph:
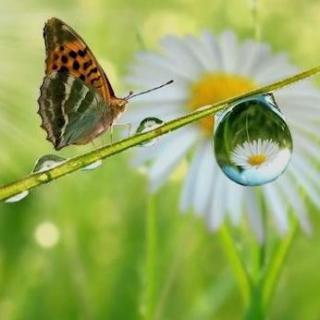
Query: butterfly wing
(67, 52)
(71, 111)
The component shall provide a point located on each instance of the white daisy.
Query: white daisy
(208, 69)
(255, 154)
(261, 161)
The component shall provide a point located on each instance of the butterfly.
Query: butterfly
(77, 102)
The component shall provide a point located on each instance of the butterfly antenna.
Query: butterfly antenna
(133, 95)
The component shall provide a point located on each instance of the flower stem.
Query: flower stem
(264, 285)
(151, 257)
(238, 267)
(255, 309)
(276, 264)
(76, 163)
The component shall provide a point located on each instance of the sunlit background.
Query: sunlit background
(76, 248)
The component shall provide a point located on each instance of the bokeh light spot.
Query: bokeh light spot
(47, 235)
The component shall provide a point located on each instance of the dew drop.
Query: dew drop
(44, 163)
(148, 124)
(92, 166)
(47, 162)
(252, 142)
(17, 197)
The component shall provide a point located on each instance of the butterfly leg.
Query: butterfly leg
(126, 124)
(97, 163)
(94, 145)
(111, 134)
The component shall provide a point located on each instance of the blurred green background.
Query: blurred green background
(97, 269)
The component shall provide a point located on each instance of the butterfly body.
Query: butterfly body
(106, 121)
(77, 102)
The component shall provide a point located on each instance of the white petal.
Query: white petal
(308, 106)
(197, 49)
(274, 69)
(278, 207)
(303, 144)
(203, 183)
(144, 154)
(304, 165)
(292, 194)
(246, 54)
(170, 157)
(250, 57)
(311, 128)
(308, 186)
(234, 200)
(217, 210)
(179, 55)
(155, 67)
(254, 213)
(303, 116)
(189, 184)
(214, 53)
(299, 91)
(229, 50)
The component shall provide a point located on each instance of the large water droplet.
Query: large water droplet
(148, 124)
(252, 141)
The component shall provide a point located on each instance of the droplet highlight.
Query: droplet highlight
(252, 141)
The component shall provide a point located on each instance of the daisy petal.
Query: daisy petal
(180, 57)
(214, 53)
(291, 193)
(278, 207)
(234, 196)
(310, 189)
(187, 191)
(203, 183)
(254, 213)
(228, 47)
(217, 208)
(170, 157)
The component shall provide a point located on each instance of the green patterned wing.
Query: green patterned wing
(71, 111)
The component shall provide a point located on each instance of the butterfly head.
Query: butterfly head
(118, 105)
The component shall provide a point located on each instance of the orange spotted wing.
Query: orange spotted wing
(67, 51)
(77, 102)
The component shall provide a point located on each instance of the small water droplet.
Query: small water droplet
(47, 162)
(92, 166)
(17, 197)
(148, 124)
(44, 163)
(252, 141)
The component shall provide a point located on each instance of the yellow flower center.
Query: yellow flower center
(257, 159)
(215, 87)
